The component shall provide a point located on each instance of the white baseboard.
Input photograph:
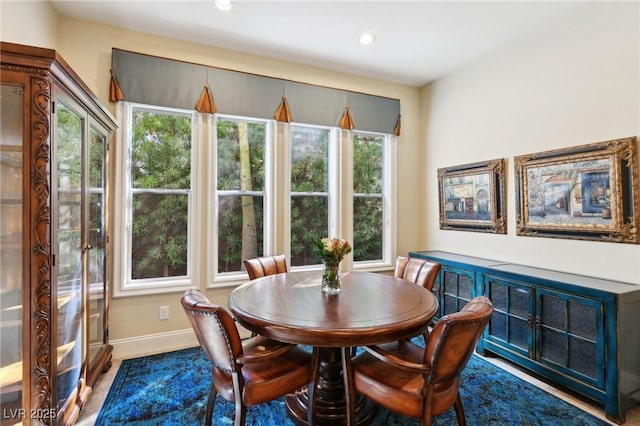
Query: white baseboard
(138, 346)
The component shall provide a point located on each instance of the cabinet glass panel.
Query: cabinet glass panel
(582, 356)
(498, 325)
(70, 356)
(11, 177)
(568, 327)
(464, 288)
(582, 320)
(450, 281)
(519, 301)
(519, 331)
(510, 319)
(553, 346)
(554, 312)
(499, 294)
(96, 240)
(456, 290)
(450, 304)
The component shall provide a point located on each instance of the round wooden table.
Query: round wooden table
(370, 309)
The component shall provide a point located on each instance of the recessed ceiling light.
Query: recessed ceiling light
(366, 38)
(222, 4)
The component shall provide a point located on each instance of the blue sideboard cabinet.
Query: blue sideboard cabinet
(579, 332)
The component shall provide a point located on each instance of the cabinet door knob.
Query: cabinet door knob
(88, 247)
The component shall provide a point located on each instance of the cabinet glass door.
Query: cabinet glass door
(11, 249)
(69, 254)
(511, 318)
(455, 289)
(96, 241)
(567, 329)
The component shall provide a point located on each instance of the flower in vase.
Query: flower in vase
(332, 250)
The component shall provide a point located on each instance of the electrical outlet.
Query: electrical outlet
(164, 312)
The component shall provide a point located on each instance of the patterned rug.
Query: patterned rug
(171, 389)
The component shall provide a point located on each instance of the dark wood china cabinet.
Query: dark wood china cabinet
(53, 238)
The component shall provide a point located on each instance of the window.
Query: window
(309, 190)
(268, 188)
(157, 215)
(238, 224)
(368, 197)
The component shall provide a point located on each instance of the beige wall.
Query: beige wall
(87, 48)
(34, 23)
(573, 82)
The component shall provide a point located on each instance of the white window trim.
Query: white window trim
(334, 190)
(346, 192)
(277, 199)
(215, 279)
(391, 213)
(389, 202)
(123, 286)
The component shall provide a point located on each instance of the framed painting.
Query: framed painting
(587, 192)
(472, 197)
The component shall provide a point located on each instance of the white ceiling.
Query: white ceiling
(416, 41)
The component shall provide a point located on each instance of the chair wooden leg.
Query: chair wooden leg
(462, 421)
(427, 397)
(212, 400)
(241, 414)
(238, 386)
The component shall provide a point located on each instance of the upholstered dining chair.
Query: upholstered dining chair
(262, 266)
(265, 265)
(248, 372)
(424, 382)
(420, 271)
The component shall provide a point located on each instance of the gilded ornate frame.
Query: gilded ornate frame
(586, 192)
(472, 197)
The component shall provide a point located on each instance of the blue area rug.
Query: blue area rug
(171, 389)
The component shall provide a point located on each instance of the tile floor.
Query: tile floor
(90, 411)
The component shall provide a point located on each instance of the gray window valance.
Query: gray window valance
(167, 82)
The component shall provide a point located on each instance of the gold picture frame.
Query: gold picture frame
(472, 197)
(587, 192)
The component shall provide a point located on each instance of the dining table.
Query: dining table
(370, 309)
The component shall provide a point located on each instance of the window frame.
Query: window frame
(333, 188)
(123, 203)
(202, 225)
(389, 200)
(214, 278)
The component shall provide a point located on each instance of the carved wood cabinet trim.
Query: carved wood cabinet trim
(42, 76)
